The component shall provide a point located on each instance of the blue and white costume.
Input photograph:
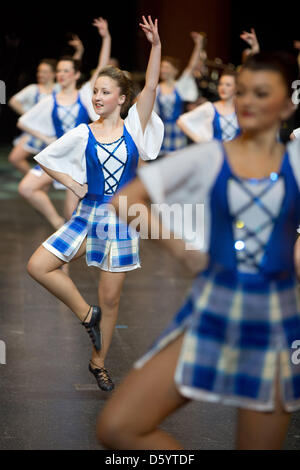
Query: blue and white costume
(54, 120)
(207, 123)
(111, 245)
(29, 97)
(169, 107)
(242, 316)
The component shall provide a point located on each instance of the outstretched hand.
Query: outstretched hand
(198, 38)
(251, 39)
(151, 30)
(76, 42)
(102, 25)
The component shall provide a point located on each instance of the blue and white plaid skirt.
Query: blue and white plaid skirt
(111, 245)
(236, 336)
(174, 138)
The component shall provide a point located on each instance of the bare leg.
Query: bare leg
(109, 292)
(145, 398)
(43, 266)
(263, 431)
(32, 188)
(71, 203)
(18, 157)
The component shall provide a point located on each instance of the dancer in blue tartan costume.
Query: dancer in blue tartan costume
(94, 161)
(233, 341)
(214, 120)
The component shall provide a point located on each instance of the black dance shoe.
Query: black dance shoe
(103, 379)
(93, 326)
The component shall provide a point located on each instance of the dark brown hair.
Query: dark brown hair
(124, 83)
(51, 62)
(173, 61)
(76, 63)
(281, 62)
(229, 73)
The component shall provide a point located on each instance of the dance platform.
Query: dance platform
(49, 400)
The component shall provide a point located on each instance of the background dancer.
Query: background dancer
(53, 117)
(172, 93)
(214, 120)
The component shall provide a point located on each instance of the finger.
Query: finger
(150, 21)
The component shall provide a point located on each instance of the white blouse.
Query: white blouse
(67, 154)
(39, 118)
(200, 121)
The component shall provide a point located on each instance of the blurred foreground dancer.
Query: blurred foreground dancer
(93, 162)
(232, 341)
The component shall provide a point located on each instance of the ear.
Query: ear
(78, 75)
(289, 110)
(122, 99)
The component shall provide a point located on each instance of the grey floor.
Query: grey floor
(48, 399)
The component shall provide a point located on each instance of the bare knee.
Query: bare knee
(25, 190)
(112, 433)
(110, 297)
(35, 267)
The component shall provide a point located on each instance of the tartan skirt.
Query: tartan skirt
(111, 244)
(238, 334)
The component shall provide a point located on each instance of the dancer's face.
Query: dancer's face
(106, 97)
(226, 87)
(66, 74)
(45, 74)
(167, 71)
(262, 100)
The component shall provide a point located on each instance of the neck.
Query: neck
(111, 121)
(260, 141)
(69, 89)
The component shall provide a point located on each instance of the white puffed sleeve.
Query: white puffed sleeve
(186, 87)
(183, 181)
(27, 96)
(296, 133)
(86, 94)
(39, 118)
(149, 142)
(200, 121)
(67, 154)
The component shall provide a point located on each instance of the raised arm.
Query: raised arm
(147, 96)
(251, 39)
(198, 47)
(78, 46)
(104, 56)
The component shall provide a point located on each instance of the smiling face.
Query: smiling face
(226, 87)
(262, 100)
(66, 74)
(106, 97)
(45, 74)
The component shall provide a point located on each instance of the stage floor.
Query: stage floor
(49, 400)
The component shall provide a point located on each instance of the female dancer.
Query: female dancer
(213, 120)
(26, 145)
(232, 340)
(171, 95)
(53, 117)
(94, 161)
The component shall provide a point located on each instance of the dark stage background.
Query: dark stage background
(32, 32)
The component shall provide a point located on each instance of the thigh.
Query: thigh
(46, 261)
(261, 430)
(19, 153)
(34, 182)
(148, 395)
